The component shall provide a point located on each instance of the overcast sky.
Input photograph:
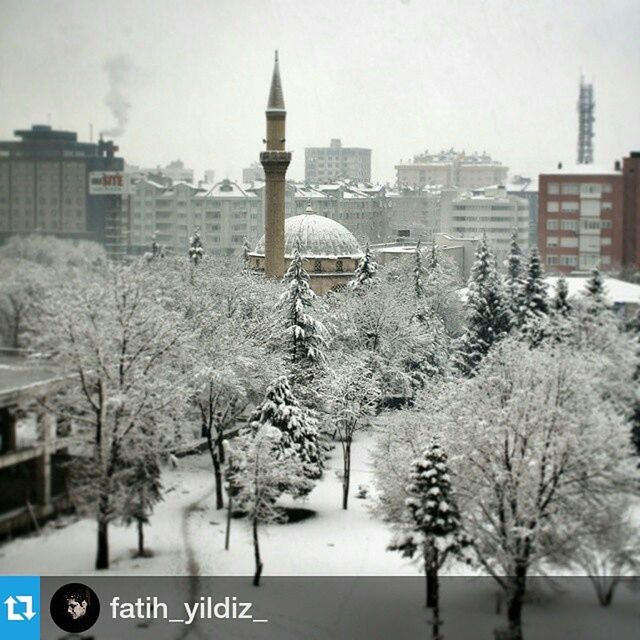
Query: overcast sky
(398, 76)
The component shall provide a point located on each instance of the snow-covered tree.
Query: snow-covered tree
(489, 317)
(515, 274)
(595, 291)
(281, 410)
(561, 302)
(258, 475)
(430, 526)
(305, 335)
(635, 415)
(246, 250)
(352, 393)
(535, 438)
(126, 358)
(366, 272)
(534, 300)
(418, 274)
(196, 249)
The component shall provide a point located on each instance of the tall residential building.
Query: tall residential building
(224, 214)
(527, 188)
(451, 169)
(414, 213)
(254, 173)
(580, 218)
(45, 188)
(335, 162)
(491, 211)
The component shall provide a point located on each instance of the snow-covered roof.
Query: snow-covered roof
(616, 291)
(229, 189)
(584, 170)
(319, 237)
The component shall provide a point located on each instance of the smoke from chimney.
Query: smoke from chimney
(119, 71)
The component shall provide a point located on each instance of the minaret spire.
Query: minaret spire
(276, 99)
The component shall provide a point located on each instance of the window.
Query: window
(552, 241)
(605, 224)
(552, 259)
(605, 242)
(570, 206)
(569, 243)
(553, 206)
(570, 189)
(590, 189)
(553, 225)
(605, 259)
(606, 206)
(569, 261)
(317, 266)
(569, 225)
(606, 187)
(553, 188)
(339, 266)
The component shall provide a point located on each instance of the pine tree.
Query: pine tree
(561, 303)
(365, 274)
(196, 250)
(431, 520)
(534, 301)
(489, 316)
(515, 271)
(306, 334)
(281, 409)
(595, 289)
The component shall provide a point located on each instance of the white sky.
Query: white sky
(398, 76)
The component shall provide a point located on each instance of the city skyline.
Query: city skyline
(394, 77)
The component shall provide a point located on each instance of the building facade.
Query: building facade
(631, 211)
(224, 215)
(335, 162)
(44, 187)
(254, 173)
(580, 218)
(451, 169)
(414, 213)
(492, 212)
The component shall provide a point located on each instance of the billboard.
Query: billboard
(108, 183)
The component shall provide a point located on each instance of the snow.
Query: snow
(616, 291)
(584, 170)
(319, 237)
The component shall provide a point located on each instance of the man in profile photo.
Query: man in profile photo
(77, 604)
(74, 608)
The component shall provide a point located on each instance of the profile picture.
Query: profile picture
(75, 607)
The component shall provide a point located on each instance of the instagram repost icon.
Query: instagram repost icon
(20, 608)
(74, 607)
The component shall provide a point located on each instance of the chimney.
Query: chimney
(617, 166)
(559, 165)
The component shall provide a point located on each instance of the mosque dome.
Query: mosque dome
(319, 237)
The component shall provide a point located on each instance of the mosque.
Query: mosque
(330, 252)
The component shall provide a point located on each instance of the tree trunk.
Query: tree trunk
(102, 557)
(346, 474)
(140, 538)
(431, 575)
(228, 532)
(256, 553)
(220, 450)
(516, 600)
(217, 469)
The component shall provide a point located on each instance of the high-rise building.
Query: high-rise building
(335, 162)
(45, 188)
(451, 169)
(253, 173)
(580, 218)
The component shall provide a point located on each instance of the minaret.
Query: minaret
(275, 161)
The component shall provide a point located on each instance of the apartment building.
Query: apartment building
(580, 218)
(414, 213)
(224, 215)
(335, 162)
(492, 212)
(451, 169)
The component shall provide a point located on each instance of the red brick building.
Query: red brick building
(590, 216)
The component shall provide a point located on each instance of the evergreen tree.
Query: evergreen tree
(431, 520)
(534, 301)
(561, 303)
(515, 270)
(196, 250)
(365, 274)
(281, 409)
(489, 316)
(595, 289)
(306, 334)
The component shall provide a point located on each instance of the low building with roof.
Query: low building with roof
(34, 453)
(330, 251)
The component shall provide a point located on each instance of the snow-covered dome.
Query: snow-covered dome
(319, 237)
